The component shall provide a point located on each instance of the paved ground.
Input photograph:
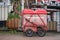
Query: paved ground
(20, 36)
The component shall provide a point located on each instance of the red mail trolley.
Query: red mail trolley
(34, 21)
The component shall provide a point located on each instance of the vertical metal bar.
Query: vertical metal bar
(8, 12)
(1, 13)
(4, 15)
(4, 11)
(21, 12)
(36, 1)
(23, 4)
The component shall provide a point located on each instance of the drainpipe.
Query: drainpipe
(23, 4)
(36, 1)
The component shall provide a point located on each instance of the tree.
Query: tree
(13, 20)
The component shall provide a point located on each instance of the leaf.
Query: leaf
(19, 8)
(10, 16)
(16, 15)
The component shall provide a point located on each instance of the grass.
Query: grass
(10, 32)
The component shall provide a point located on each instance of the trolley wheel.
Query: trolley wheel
(41, 32)
(29, 33)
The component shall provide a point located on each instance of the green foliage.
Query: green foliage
(19, 8)
(14, 1)
(16, 15)
(13, 31)
(10, 16)
(17, 0)
(13, 15)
